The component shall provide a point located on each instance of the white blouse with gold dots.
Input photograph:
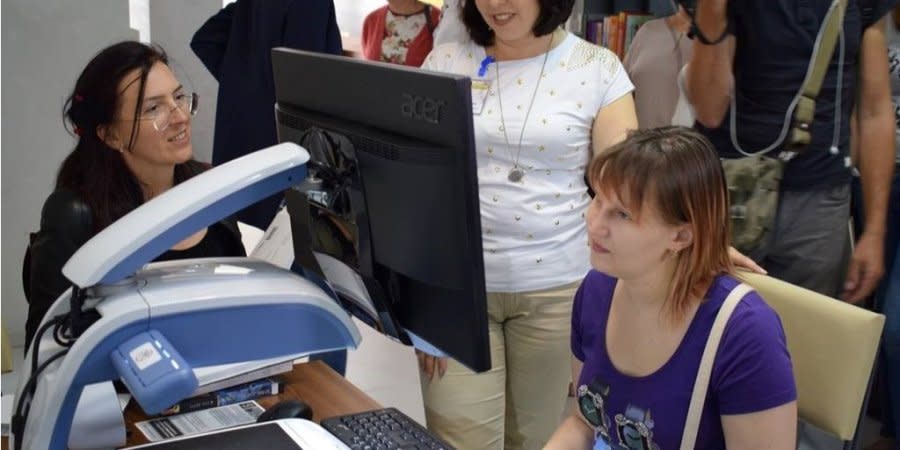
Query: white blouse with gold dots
(533, 231)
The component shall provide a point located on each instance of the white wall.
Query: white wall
(45, 44)
(139, 18)
(351, 13)
(41, 58)
(172, 24)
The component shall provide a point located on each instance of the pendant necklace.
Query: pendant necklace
(517, 173)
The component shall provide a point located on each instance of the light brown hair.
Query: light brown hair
(678, 170)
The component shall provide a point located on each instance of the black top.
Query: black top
(66, 225)
(775, 39)
(219, 241)
(235, 46)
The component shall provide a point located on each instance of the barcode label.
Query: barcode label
(200, 421)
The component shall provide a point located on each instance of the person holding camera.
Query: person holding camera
(744, 82)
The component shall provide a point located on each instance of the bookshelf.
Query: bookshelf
(593, 9)
(619, 20)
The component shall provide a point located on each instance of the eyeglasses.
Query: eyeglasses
(161, 114)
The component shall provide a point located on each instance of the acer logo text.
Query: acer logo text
(421, 108)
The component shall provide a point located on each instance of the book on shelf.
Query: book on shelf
(615, 31)
(612, 35)
(214, 378)
(632, 23)
(590, 32)
(228, 396)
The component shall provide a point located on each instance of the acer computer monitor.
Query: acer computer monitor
(396, 146)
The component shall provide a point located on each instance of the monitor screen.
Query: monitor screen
(406, 177)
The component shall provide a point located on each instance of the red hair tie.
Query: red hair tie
(77, 130)
(79, 98)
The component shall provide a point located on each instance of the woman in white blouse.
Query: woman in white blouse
(544, 101)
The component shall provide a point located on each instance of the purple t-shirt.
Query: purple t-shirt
(752, 370)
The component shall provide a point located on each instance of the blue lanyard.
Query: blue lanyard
(482, 70)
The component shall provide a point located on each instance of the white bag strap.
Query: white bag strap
(701, 384)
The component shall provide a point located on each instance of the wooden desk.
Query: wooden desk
(326, 392)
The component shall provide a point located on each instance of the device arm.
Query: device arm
(258, 312)
(148, 231)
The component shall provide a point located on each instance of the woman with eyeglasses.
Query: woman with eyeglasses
(132, 119)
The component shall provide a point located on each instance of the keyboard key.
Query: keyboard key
(385, 429)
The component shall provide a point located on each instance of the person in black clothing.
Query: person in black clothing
(752, 64)
(235, 45)
(132, 119)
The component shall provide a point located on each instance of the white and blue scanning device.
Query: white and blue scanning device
(201, 307)
(154, 371)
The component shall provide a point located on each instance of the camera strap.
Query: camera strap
(795, 130)
(800, 135)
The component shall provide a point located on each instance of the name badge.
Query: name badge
(480, 89)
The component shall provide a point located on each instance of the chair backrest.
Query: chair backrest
(833, 347)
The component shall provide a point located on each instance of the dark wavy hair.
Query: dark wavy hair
(553, 14)
(94, 171)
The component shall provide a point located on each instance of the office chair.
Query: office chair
(833, 346)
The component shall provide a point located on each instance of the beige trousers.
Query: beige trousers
(517, 404)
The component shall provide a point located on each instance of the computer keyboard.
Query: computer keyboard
(386, 429)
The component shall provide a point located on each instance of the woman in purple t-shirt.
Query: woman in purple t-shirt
(659, 235)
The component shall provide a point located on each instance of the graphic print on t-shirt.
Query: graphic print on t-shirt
(633, 427)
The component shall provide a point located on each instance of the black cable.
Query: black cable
(17, 424)
(36, 342)
(696, 33)
(72, 321)
(59, 335)
(31, 385)
(76, 300)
